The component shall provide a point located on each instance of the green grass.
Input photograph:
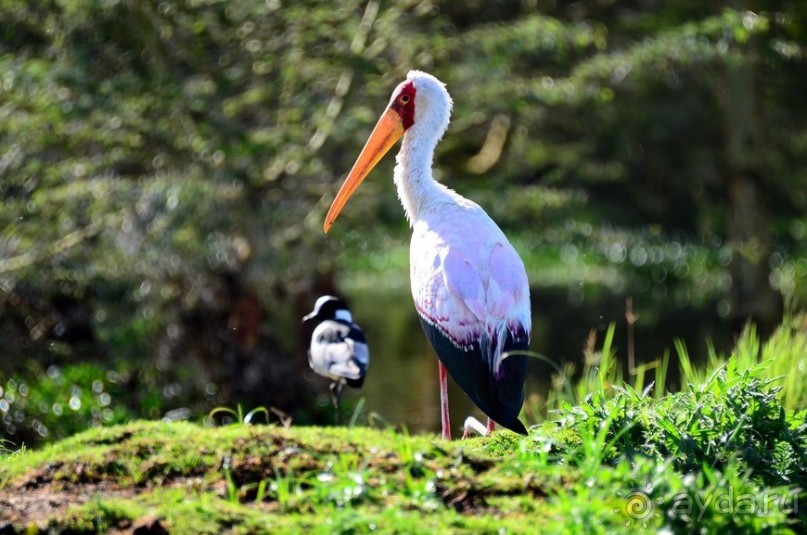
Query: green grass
(727, 453)
(783, 357)
(361, 480)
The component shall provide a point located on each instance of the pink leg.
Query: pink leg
(443, 374)
(491, 426)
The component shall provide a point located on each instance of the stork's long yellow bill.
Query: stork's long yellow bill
(387, 131)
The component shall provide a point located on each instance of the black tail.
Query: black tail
(500, 398)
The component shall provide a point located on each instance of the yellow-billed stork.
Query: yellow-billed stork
(469, 284)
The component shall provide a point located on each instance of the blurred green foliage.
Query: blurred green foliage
(64, 403)
(166, 167)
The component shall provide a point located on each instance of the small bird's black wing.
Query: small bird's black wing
(361, 355)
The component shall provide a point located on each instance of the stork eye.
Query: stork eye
(404, 99)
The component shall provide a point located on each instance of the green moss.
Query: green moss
(99, 515)
(723, 456)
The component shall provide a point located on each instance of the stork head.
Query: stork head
(419, 107)
(433, 105)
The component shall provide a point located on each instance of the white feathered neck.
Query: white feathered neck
(417, 189)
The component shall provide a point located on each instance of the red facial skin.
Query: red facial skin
(404, 105)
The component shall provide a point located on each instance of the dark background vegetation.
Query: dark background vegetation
(165, 168)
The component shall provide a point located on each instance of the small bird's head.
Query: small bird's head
(329, 307)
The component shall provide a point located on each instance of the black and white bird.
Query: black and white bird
(338, 347)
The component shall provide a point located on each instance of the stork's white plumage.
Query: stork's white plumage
(469, 284)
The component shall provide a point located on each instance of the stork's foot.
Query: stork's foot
(473, 426)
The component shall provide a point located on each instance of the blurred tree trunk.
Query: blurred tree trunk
(749, 218)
